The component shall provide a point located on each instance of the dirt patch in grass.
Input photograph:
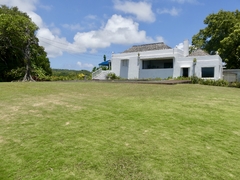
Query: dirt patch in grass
(53, 100)
(1, 139)
(36, 105)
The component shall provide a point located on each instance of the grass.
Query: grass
(88, 130)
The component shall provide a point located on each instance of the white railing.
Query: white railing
(100, 74)
(96, 73)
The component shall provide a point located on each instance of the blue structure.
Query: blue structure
(105, 63)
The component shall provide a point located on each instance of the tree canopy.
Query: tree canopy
(19, 48)
(222, 35)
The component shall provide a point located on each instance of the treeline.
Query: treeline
(65, 74)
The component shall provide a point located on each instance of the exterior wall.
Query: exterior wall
(155, 73)
(135, 71)
(202, 61)
(231, 72)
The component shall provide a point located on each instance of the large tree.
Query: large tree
(19, 47)
(222, 35)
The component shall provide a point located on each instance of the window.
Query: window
(168, 65)
(157, 64)
(207, 72)
(125, 63)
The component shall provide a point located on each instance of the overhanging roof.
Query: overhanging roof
(198, 52)
(104, 63)
(147, 47)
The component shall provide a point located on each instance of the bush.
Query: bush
(234, 84)
(104, 68)
(182, 78)
(16, 74)
(211, 82)
(194, 80)
(112, 76)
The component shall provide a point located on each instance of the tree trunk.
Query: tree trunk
(27, 76)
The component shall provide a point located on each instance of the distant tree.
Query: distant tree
(94, 69)
(19, 45)
(104, 57)
(222, 35)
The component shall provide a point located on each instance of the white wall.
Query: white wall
(135, 70)
(202, 61)
(155, 73)
(235, 72)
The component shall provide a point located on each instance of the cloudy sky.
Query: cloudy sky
(77, 33)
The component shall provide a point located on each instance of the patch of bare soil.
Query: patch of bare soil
(34, 105)
(1, 139)
(52, 100)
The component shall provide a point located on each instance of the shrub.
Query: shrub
(16, 74)
(220, 82)
(234, 84)
(182, 78)
(195, 80)
(112, 76)
(104, 67)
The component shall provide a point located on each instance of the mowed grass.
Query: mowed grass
(90, 130)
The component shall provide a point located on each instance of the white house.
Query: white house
(158, 60)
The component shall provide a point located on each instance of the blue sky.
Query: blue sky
(77, 33)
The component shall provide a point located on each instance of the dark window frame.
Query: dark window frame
(208, 72)
(157, 64)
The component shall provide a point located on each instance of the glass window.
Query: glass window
(157, 64)
(125, 63)
(207, 72)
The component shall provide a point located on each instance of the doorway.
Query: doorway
(185, 72)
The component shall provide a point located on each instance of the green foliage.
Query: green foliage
(221, 35)
(194, 79)
(67, 75)
(39, 74)
(182, 78)
(19, 45)
(219, 82)
(104, 68)
(16, 74)
(230, 47)
(40, 60)
(112, 76)
(94, 69)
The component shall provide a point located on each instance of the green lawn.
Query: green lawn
(89, 130)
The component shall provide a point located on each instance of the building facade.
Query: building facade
(158, 60)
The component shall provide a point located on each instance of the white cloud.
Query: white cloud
(186, 1)
(172, 12)
(160, 39)
(23, 5)
(142, 10)
(73, 27)
(48, 8)
(84, 65)
(55, 45)
(180, 46)
(117, 30)
(93, 17)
